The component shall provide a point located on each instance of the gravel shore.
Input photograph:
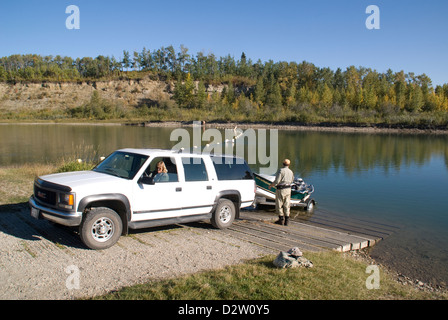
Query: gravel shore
(39, 260)
(42, 261)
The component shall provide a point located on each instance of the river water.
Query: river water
(396, 179)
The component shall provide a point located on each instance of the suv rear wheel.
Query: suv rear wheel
(101, 228)
(224, 214)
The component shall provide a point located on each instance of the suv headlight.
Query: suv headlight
(66, 200)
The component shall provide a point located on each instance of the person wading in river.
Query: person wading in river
(283, 179)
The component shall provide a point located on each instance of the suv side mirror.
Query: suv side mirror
(146, 180)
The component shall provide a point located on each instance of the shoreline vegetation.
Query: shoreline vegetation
(168, 85)
(369, 129)
(335, 276)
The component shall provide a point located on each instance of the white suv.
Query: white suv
(125, 191)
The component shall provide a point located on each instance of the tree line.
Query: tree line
(249, 86)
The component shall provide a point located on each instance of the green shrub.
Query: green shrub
(75, 166)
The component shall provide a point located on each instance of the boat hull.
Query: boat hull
(300, 197)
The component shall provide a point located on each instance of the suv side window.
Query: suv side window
(194, 169)
(230, 168)
(171, 170)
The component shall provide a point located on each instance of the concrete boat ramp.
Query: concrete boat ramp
(323, 231)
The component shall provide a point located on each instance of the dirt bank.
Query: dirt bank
(56, 95)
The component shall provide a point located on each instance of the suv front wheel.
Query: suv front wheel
(101, 228)
(224, 214)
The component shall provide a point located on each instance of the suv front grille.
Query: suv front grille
(45, 195)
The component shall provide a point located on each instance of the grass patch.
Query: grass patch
(334, 276)
(16, 182)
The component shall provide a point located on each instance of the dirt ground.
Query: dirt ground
(39, 260)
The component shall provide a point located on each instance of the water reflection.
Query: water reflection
(309, 151)
(36, 143)
(352, 153)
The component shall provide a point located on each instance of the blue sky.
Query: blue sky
(413, 35)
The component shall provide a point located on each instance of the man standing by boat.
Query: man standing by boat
(283, 179)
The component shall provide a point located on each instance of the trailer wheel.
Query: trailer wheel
(310, 205)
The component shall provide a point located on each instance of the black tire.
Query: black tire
(101, 228)
(224, 214)
(310, 205)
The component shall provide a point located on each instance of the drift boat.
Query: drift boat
(300, 192)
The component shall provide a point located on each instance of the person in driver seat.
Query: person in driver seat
(160, 174)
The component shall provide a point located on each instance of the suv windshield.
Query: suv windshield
(122, 164)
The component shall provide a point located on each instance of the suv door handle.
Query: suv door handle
(209, 187)
(178, 189)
